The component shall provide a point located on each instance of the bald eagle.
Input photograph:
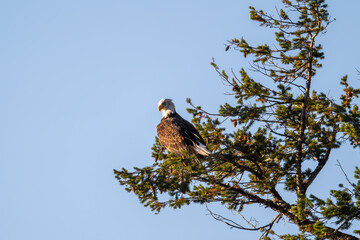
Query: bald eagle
(176, 134)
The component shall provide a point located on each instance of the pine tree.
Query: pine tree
(284, 132)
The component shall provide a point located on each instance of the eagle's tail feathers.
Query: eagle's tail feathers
(202, 149)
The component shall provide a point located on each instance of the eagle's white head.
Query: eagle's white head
(167, 106)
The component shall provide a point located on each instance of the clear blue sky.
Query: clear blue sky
(80, 81)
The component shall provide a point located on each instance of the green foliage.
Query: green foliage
(280, 126)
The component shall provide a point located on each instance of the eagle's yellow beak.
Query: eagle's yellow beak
(160, 107)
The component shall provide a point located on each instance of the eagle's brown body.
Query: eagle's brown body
(176, 135)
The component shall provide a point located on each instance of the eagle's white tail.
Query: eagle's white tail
(202, 149)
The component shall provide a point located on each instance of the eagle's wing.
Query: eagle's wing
(198, 144)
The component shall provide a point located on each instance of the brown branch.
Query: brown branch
(319, 167)
(348, 219)
(284, 210)
(234, 224)
(300, 188)
(280, 207)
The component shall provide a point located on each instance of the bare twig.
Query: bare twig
(348, 180)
